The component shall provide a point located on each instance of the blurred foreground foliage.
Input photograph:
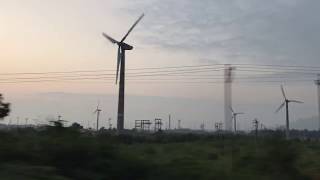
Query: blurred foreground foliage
(59, 153)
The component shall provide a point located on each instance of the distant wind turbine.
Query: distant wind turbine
(122, 47)
(97, 111)
(286, 103)
(234, 116)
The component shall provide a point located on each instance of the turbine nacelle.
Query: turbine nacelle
(125, 46)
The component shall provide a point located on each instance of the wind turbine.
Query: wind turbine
(286, 103)
(122, 47)
(234, 116)
(97, 111)
(318, 87)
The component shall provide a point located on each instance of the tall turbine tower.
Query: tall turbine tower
(97, 111)
(234, 116)
(228, 97)
(318, 85)
(122, 47)
(286, 103)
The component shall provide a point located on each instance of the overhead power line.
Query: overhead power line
(178, 74)
(178, 81)
(207, 66)
(277, 65)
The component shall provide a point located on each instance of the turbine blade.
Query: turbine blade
(240, 113)
(139, 19)
(283, 93)
(281, 106)
(231, 109)
(118, 63)
(295, 101)
(110, 38)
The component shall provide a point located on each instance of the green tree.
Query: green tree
(76, 126)
(4, 108)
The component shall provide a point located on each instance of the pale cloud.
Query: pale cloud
(275, 31)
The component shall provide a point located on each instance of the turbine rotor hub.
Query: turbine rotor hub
(125, 46)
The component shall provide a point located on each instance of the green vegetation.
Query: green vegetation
(4, 108)
(59, 153)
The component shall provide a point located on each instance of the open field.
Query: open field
(64, 153)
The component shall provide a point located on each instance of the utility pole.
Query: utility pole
(318, 85)
(169, 121)
(228, 77)
(98, 116)
(256, 126)
(235, 123)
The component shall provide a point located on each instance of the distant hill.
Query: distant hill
(306, 123)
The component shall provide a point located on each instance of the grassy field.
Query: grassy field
(65, 153)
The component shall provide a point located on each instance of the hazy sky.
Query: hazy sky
(58, 35)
